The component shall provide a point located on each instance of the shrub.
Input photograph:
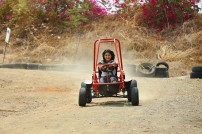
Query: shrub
(128, 8)
(168, 13)
(71, 12)
(67, 12)
(6, 11)
(159, 13)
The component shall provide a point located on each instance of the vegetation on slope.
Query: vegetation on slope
(44, 37)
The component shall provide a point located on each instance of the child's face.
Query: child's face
(107, 57)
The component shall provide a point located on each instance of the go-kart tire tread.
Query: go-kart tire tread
(134, 96)
(89, 97)
(133, 84)
(82, 97)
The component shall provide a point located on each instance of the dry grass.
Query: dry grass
(45, 44)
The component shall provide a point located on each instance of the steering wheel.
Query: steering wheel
(108, 67)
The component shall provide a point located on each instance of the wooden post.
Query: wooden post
(8, 32)
(4, 52)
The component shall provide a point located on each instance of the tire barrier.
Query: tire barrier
(197, 69)
(164, 64)
(33, 66)
(146, 70)
(16, 66)
(162, 72)
(150, 70)
(50, 67)
(196, 72)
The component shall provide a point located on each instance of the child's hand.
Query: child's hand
(107, 67)
(100, 66)
(115, 65)
(104, 68)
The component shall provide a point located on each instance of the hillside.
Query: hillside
(45, 43)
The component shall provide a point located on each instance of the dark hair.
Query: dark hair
(108, 51)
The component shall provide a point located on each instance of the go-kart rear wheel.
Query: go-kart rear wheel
(129, 95)
(133, 83)
(89, 97)
(134, 96)
(82, 97)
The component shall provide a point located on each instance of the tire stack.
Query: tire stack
(162, 72)
(196, 72)
(146, 70)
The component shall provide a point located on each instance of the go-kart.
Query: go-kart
(95, 88)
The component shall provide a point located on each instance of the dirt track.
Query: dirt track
(45, 102)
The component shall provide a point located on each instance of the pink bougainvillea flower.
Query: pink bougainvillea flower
(8, 17)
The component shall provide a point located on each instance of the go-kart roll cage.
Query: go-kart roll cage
(118, 55)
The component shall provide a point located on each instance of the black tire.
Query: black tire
(134, 96)
(33, 66)
(15, 66)
(196, 75)
(42, 67)
(161, 72)
(83, 84)
(54, 67)
(89, 97)
(82, 97)
(129, 95)
(132, 84)
(146, 70)
(197, 69)
(163, 63)
(20, 66)
(7, 66)
(88, 92)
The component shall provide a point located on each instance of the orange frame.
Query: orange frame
(118, 54)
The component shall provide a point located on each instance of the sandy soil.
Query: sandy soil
(46, 102)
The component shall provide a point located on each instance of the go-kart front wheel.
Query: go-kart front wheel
(82, 97)
(89, 96)
(132, 84)
(134, 96)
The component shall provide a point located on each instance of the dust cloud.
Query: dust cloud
(79, 65)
